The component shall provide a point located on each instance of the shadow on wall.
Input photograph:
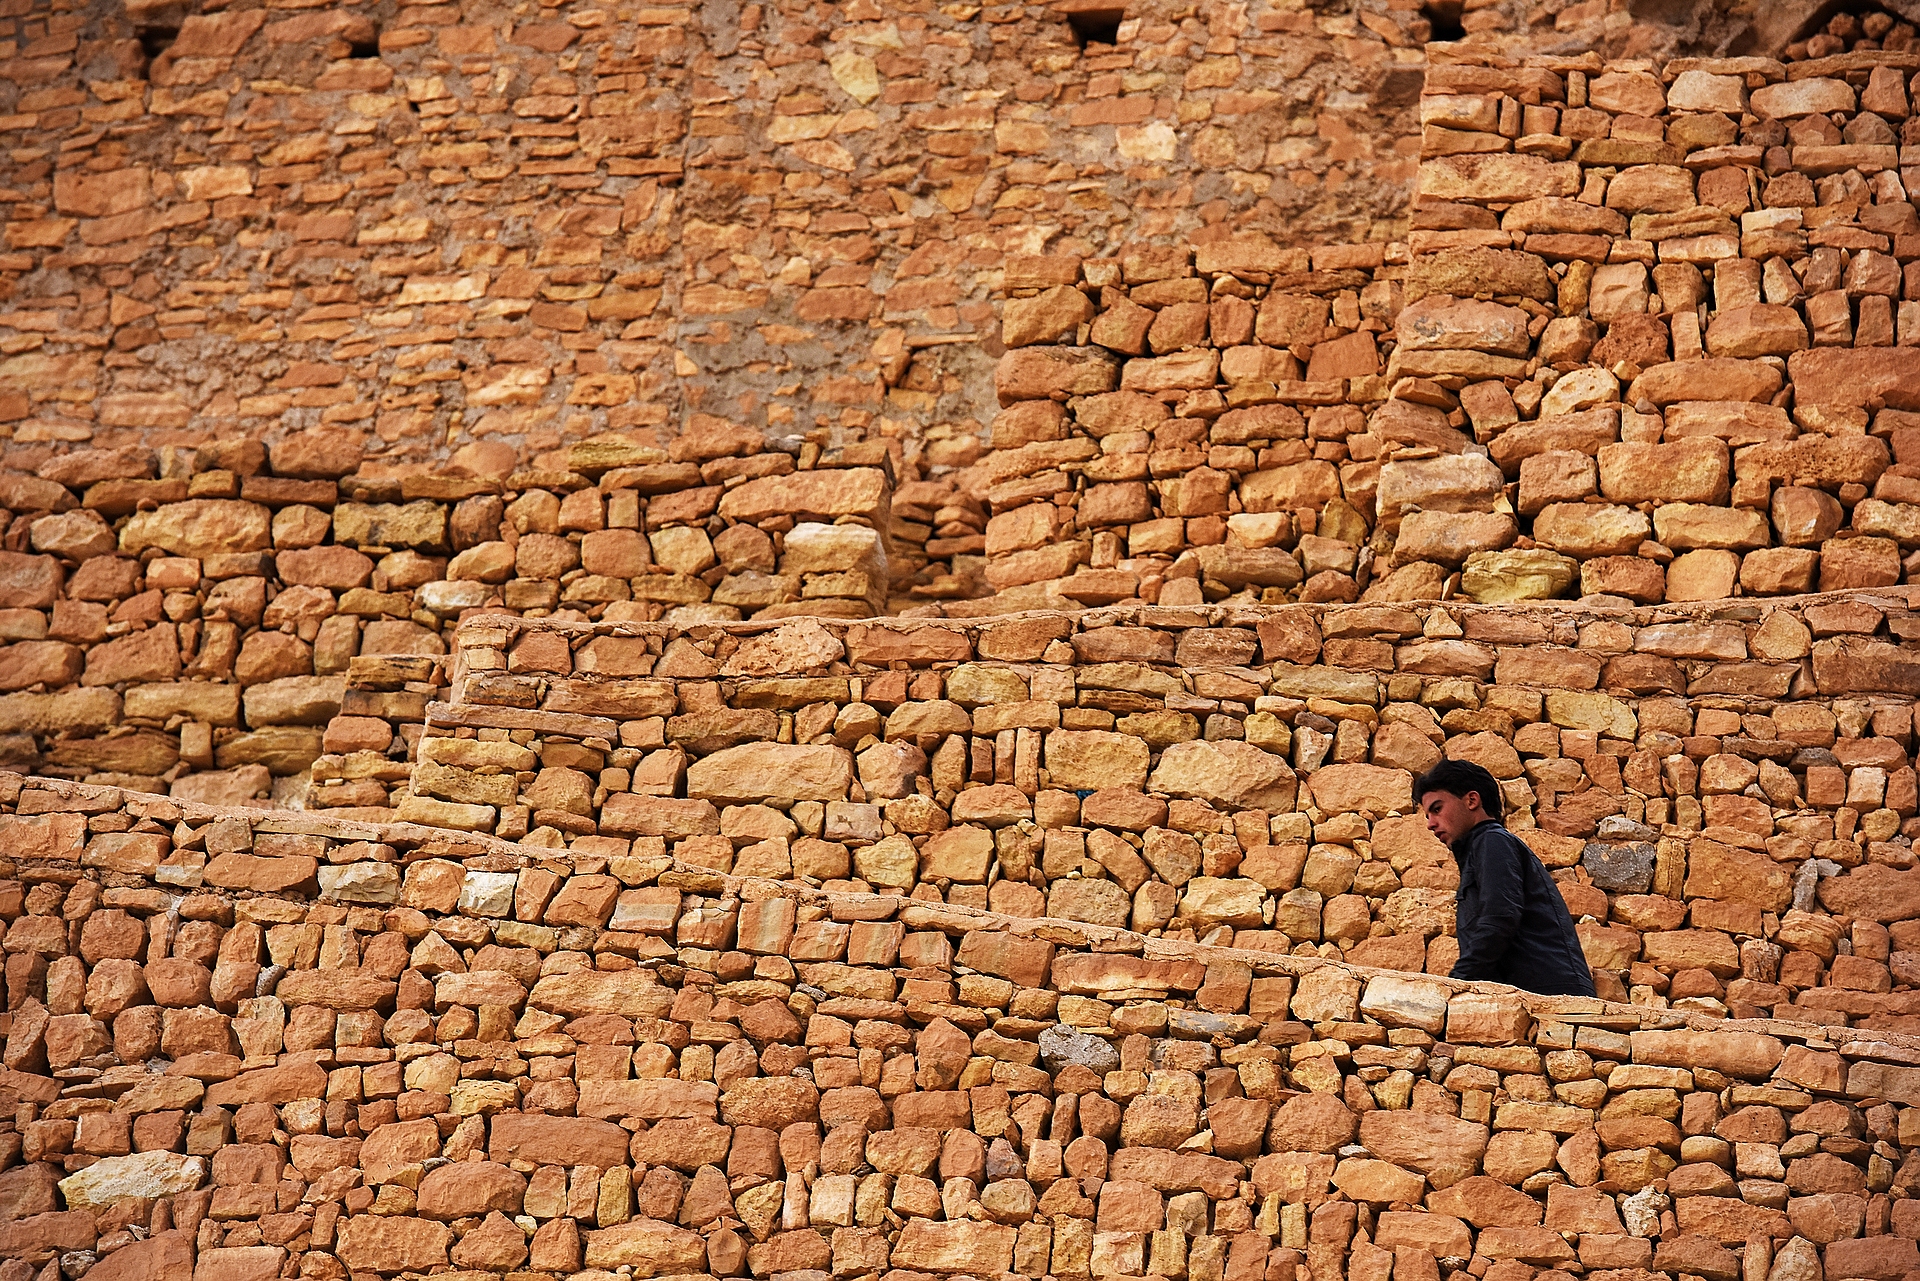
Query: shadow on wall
(1834, 26)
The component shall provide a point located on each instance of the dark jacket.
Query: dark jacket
(1513, 925)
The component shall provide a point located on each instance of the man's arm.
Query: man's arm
(1484, 940)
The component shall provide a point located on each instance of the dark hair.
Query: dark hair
(1457, 778)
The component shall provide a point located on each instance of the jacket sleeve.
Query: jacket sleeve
(1495, 918)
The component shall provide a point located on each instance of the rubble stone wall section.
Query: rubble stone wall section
(1651, 336)
(193, 620)
(255, 1046)
(462, 223)
(1726, 795)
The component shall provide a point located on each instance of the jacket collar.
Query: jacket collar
(1461, 846)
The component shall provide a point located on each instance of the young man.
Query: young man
(1512, 923)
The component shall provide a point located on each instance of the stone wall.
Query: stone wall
(250, 1046)
(498, 432)
(1651, 336)
(1727, 795)
(189, 620)
(188, 579)
(464, 223)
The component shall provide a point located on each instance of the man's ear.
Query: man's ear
(1475, 801)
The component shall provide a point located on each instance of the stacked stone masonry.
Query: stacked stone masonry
(1727, 795)
(471, 230)
(1651, 336)
(498, 433)
(171, 611)
(242, 1045)
(1240, 422)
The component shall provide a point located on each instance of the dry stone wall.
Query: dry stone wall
(191, 620)
(1727, 795)
(251, 1046)
(473, 223)
(1221, 418)
(1651, 336)
(498, 431)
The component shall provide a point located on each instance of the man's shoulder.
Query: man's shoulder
(1494, 837)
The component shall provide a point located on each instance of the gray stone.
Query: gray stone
(1797, 1260)
(1641, 1211)
(1806, 882)
(1624, 868)
(1618, 827)
(1061, 1045)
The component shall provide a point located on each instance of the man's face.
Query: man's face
(1451, 817)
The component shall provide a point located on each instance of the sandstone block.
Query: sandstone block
(1456, 324)
(1095, 759)
(1760, 329)
(1356, 788)
(1715, 378)
(1686, 526)
(1454, 483)
(1496, 179)
(1779, 571)
(29, 582)
(1498, 577)
(1702, 575)
(1226, 772)
(1858, 562)
(754, 772)
(769, 1102)
(649, 1247)
(470, 1188)
(1685, 471)
(199, 527)
(1444, 1148)
(1795, 98)
(1587, 530)
(1047, 317)
(980, 1248)
(1748, 1055)
(246, 1262)
(1450, 538)
(141, 1174)
(1705, 91)
(1049, 373)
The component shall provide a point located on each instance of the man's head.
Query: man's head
(1455, 797)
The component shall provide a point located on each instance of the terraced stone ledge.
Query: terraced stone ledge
(462, 1055)
(1725, 792)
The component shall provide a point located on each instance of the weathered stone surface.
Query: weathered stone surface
(1038, 373)
(1874, 892)
(1345, 789)
(1095, 759)
(650, 1247)
(1715, 378)
(1445, 1149)
(1852, 377)
(142, 1174)
(399, 1243)
(756, 771)
(1452, 538)
(1061, 1046)
(199, 527)
(1503, 179)
(628, 993)
(1228, 773)
(1749, 1055)
(931, 1246)
(1534, 573)
(1456, 483)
